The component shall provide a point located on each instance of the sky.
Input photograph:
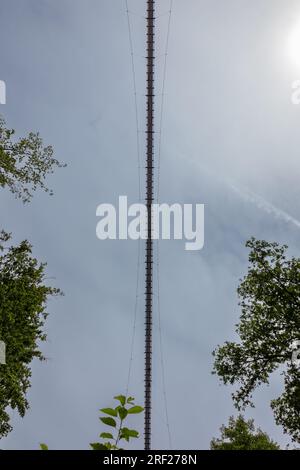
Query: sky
(230, 140)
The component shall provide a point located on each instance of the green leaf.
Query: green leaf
(133, 433)
(135, 410)
(127, 433)
(44, 446)
(109, 411)
(122, 412)
(108, 421)
(98, 446)
(106, 435)
(130, 399)
(121, 399)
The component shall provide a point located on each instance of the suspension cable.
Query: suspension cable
(139, 195)
(163, 372)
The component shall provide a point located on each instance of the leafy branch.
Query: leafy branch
(24, 163)
(115, 419)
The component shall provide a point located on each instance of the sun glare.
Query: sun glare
(294, 45)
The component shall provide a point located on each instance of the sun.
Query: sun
(294, 45)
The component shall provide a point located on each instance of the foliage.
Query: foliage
(23, 297)
(242, 435)
(24, 163)
(269, 325)
(115, 419)
(44, 446)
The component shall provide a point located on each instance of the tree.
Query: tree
(269, 327)
(24, 163)
(23, 297)
(115, 420)
(242, 435)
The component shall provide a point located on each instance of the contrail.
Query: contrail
(249, 196)
(266, 206)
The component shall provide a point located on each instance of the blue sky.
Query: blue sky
(230, 137)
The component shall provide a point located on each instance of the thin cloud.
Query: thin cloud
(266, 206)
(251, 197)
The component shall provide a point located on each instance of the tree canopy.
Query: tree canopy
(242, 435)
(23, 297)
(24, 163)
(269, 326)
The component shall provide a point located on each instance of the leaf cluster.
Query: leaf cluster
(115, 418)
